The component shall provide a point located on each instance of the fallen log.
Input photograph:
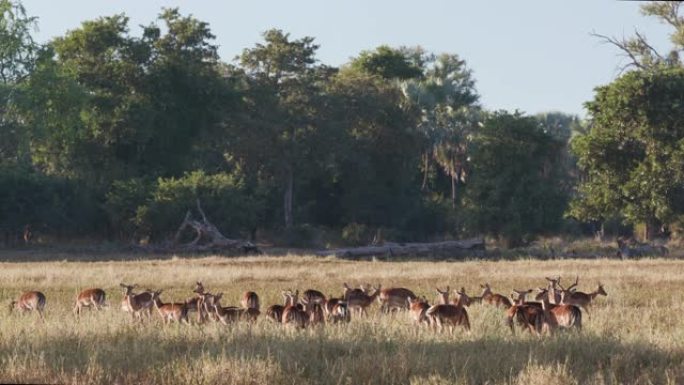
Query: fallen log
(397, 249)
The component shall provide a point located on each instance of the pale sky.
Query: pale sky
(530, 55)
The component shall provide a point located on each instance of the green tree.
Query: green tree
(514, 191)
(634, 152)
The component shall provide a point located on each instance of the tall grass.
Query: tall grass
(633, 336)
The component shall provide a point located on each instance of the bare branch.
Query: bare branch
(622, 45)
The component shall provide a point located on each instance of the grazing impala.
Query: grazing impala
(170, 311)
(581, 299)
(136, 303)
(88, 298)
(493, 298)
(250, 300)
(29, 301)
(395, 298)
(359, 300)
(557, 316)
(450, 313)
(311, 296)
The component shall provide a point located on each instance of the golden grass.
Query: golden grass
(633, 336)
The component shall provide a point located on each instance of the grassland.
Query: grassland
(633, 336)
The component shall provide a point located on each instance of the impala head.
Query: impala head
(127, 289)
(463, 298)
(199, 288)
(521, 295)
(600, 290)
(486, 289)
(542, 293)
(554, 281)
(443, 296)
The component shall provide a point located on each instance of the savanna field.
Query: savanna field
(635, 335)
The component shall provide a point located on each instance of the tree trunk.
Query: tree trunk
(453, 190)
(289, 191)
(426, 165)
(396, 249)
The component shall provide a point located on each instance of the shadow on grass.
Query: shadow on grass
(316, 357)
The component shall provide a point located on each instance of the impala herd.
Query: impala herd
(555, 307)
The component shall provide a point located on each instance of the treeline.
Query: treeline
(107, 135)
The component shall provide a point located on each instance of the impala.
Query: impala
(275, 312)
(195, 303)
(136, 303)
(418, 308)
(230, 313)
(88, 298)
(525, 313)
(316, 314)
(250, 300)
(359, 300)
(555, 316)
(29, 301)
(395, 298)
(581, 299)
(450, 313)
(294, 312)
(493, 298)
(170, 311)
(311, 296)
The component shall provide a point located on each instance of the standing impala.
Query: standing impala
(494, 298)
(557, 316)
(525, 313)
(250, 300)
(294, 312)
(170, 311)
(359, 300)
(418, 308)
(136, 303)
(275, 312)
(88, 298)
(395, 298)
(581, 299)
(29, 301)
(450, 313)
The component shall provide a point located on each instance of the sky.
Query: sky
(527, 55)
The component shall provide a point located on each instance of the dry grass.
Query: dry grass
(634, 336)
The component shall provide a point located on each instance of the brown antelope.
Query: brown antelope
(360, 300)
(581, 299)
(525, 313)
(417, 308)
(88, 298)
(450, 313)
(339, 312)
(29, 301)
(311, 296)
(493, 298)
(230, 314)
(275, 312)
(316, 314)
(557, 316)
(395, 298)
(250, 300)
(294, 312)
(170, 311)
(136, 303)
(195, 303)
(554, 291)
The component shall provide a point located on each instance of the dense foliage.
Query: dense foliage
(107, 135)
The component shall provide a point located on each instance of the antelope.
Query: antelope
(581, 299)
(88, 298)
(555, 316)
(230, 313)
(525, 313)
(360, 300)
(275, 312)
(417, 308)
(554, 292)
(136, 303)
(336, 310)
(170, 311)
(316, 315)
(250, 300)
(294, 312)
(196, 302)
(395, 298)
(451, 313)
(493, 298)
(311, 297)
(29, 301)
